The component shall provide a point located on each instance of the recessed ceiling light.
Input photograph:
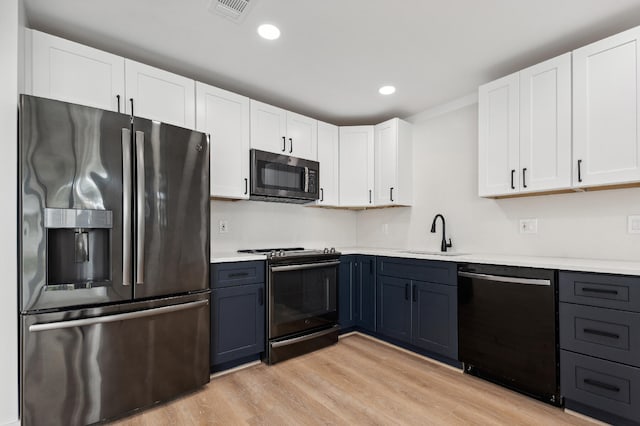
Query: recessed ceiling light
(268, 31)
(387, 90)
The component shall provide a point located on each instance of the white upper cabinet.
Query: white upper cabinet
(225, 117)
(160, 95)
(525, 130)
(606, 111)
(393, 163)
(356, 166)
(329, 159)
(276, 130)
(70, 72)
(545, 125)
(498, 147)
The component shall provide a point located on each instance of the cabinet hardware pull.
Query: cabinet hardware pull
(261, 296)
(599, 290)
(599, 384)
(246, 186)
(513, 172)
(406, 291)
(369, 196)
(118, 98)
(601, 333)
(290, 145)
(131, 100)
(321, 194)
(284, 144)
(415, 296)
(579, 170)
(391, 194)
(524, 177)
(371, 267)
(238, 274)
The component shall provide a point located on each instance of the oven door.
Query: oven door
(282, 176)
(302, 297)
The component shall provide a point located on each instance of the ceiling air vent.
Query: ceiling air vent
(234, 10)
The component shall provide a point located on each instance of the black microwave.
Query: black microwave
(277, 177)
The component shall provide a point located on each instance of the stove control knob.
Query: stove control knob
(333, 250)
(273, 253)
(325, 251)
(281, 253)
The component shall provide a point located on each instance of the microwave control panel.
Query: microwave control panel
(313, 181)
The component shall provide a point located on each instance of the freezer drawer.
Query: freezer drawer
(85, 366)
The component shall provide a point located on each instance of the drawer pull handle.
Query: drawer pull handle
(601, 333)
(599, 384)
(599, 290)
(238, 274)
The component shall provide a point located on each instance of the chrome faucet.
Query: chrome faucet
(444, 245)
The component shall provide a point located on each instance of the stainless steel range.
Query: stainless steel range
(302, 308)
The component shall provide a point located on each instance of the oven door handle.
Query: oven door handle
(501, 279)
(305, 337)
(301, 267)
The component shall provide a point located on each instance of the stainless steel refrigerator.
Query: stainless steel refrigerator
(114, 244)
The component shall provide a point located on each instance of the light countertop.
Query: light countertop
(561, 263)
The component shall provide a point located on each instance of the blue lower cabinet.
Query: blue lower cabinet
(418, 304)
(394, 307)
(357, 292)
(366, 293)
(237, 313)
(435, 318)
(346, 292)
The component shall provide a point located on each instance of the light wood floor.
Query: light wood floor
(358, 381)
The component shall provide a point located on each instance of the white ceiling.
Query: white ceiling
(333, 55)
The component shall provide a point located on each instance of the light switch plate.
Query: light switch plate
(528, 226)
(633, 224)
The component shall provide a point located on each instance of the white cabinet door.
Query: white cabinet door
(545, 125)
(160, 95)
(269, 128)
(356, 166)
(225, 117)
(302, 135)
(280, 131)
(329, 158)
(393, 163)
(606, 111)
(71, 72)
(498, 146)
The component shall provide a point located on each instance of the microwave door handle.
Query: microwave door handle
(306, 179)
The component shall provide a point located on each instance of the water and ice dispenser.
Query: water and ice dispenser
(78, 247)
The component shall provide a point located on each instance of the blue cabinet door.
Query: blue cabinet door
(394, 307)
(346, 291)
(237, 322)
(366, 293)
(435, 318)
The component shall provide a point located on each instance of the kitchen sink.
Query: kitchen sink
(434, 253)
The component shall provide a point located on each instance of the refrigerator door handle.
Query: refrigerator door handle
(117, 317)
(140, 204)
(126, 207)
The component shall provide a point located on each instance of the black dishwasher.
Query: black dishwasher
(508, 327)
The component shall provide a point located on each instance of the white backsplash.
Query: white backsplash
(257, 224)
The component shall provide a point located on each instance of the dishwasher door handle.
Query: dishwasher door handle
(501, 279)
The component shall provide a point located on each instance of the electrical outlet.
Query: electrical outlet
(223, 226)
(528, 226)
(385, 229)
(633, 224)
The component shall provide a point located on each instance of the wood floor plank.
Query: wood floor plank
(359, 381)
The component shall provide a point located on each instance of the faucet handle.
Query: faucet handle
(449, 244)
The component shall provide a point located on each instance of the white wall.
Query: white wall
(256, 224)
(9, 58)
(584, 225)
